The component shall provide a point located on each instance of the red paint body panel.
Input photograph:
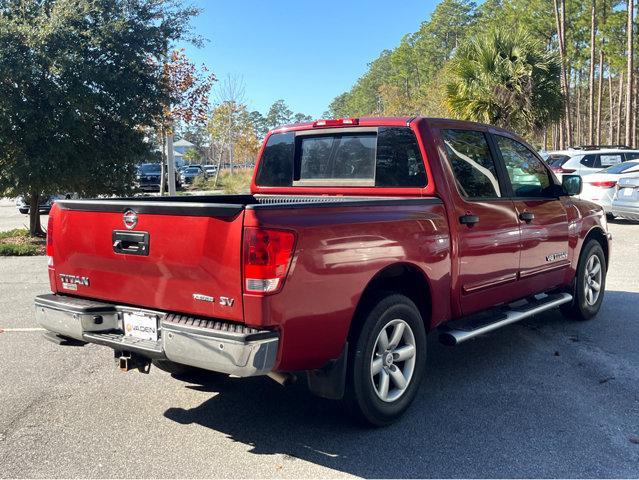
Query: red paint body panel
(187, 255)
(339, 250)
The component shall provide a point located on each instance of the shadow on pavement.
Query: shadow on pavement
(502, 405)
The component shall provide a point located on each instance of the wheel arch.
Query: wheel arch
(597, 233)
(402, 278)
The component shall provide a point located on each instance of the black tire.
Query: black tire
(610, 216)
(362, 389)
(582, 307)
(24, 211)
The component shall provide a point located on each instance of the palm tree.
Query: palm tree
(506, 78)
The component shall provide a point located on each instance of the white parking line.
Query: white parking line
(35, 329)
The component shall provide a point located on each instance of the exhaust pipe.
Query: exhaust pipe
(283, 378)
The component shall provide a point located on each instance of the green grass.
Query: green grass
(16, 232)
(237, 182)
(17, 242)
(200, 183)
(18, 250)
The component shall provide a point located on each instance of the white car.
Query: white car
(626, 201)
(601, 187)
(586, 161)
(210, 169)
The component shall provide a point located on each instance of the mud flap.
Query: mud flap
(329, 381)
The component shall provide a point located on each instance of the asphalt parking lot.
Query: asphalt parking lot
(547, 397)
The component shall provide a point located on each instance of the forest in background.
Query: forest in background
(593, 43)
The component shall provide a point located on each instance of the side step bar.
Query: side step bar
(461, 330)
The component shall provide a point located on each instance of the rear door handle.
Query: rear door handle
(469, 219)
(526, 216)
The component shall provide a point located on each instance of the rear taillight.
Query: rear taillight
(49, 249)
(562, 170)
(267, 257)
(606, 184)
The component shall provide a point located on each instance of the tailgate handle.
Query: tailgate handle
(130, 243)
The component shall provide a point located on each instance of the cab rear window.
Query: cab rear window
(383, 157)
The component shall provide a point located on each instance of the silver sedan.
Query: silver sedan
(625, 203)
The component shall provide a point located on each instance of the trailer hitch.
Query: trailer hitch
(126, 361)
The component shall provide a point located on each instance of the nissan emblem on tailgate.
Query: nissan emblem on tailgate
(130, 219)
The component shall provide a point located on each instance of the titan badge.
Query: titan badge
(71, 282)
(553, 257)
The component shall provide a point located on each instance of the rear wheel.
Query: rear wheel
(388, 361)
(590, 283)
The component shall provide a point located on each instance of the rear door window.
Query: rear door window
(473, 166)
(609, 159)
(590, 161)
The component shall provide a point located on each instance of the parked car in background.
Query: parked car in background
(44, 205)
(148, 177)
(190, 173)
(588, 160)
(601, 187)
(210, 169)
(625, 203)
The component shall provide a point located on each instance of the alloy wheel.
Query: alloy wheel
(592, 282)
(393, 360)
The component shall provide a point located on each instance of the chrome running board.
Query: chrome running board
(456, 332)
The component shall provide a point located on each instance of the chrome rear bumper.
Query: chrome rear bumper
(209, 344)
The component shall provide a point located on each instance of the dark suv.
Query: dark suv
(148, 177)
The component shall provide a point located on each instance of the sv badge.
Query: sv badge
(226, 301)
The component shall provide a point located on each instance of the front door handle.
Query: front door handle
(469, 219)
(526, 216)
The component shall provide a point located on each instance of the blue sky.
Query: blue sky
(304, 52)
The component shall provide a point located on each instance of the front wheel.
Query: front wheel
(590, 283)
(388, 361)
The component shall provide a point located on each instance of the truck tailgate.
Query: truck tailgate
(192, 257)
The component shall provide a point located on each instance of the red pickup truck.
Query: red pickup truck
(360, 237)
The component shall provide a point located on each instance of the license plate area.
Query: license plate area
(140, 325)
(627, 191)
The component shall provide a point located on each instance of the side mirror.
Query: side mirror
(572, 184)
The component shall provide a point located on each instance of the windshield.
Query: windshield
(149, 168)
(192, 170)
(622, 167)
